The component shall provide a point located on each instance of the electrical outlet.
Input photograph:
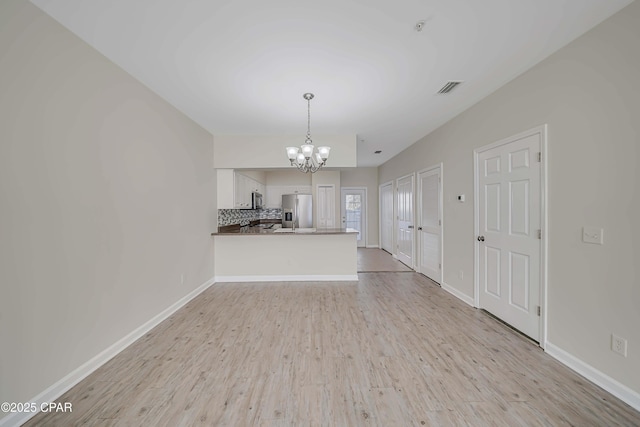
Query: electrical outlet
(592, 235)
(618, 345)
(461, 274)
(182, 279)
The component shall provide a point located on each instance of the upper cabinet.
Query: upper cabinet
(235, 188)
(226, 187)
(254, 185)
(242, 191)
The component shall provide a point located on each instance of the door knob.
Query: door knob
(420, 228)
(480, 238)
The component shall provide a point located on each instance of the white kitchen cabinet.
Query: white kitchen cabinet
(238, 191)
(252, 185)
(243, 188)
(234, 189)
(225, 186)
(248, 183)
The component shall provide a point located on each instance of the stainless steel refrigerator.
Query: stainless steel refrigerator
(297, 211)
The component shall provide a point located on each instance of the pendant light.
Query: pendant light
(306, 158)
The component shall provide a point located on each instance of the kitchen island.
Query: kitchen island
(256, 254)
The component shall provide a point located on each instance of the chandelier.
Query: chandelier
(306, 158)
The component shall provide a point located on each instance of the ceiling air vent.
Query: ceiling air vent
(449, 86)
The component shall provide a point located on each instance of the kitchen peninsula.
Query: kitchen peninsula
(253, 254)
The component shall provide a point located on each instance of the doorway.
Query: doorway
(509, 221)
(386, 217)
(405, 235)
(354, 211)
(429, 223)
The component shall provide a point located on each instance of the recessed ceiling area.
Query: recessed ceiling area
(242, 67)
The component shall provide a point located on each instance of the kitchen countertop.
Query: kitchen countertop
(254, 231)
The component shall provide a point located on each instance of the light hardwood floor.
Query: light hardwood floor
(392, 349)
(371, 260)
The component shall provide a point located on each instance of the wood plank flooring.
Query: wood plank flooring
(372, 260)
(392, 349)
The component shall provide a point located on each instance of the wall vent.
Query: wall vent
(449, 86)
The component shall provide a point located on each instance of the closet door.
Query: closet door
(326, 196)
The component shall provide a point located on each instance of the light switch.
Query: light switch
(592, 235)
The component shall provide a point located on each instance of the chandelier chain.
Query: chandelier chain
(308, 118)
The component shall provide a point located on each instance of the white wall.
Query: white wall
(107, 198)
(589, 95)
(288, 176)
(368, 178)
(268, 151)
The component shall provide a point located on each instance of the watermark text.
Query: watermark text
(12, 407)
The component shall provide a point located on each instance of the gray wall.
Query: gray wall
(107, 198)
(589, 95)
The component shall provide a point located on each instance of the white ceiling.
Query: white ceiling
(241, 67)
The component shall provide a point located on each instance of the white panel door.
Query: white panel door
(405, 227)
(430, 224)
(326, 213)
(509, 218)
(386, 217)
(354, 212)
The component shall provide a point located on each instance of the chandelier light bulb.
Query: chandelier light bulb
(292, 152)
(307, 150)
(324, 152)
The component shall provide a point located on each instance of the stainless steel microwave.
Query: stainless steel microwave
(256, 200)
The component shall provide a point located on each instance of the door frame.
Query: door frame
(396, 221)
(365, 234)
(542, 130)
(390, 184)
(440, 213)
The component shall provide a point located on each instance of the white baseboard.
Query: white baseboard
(373, 246)
(289, 278)
(77, 375)
(619, 390)
(456, 293)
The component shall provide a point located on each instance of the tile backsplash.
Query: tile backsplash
(236, 216)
